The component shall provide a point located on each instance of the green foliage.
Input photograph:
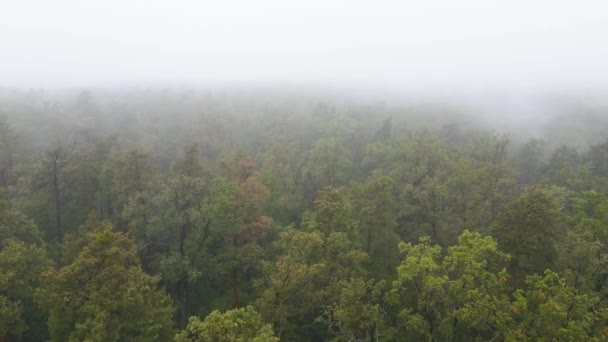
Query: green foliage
(131, 222)
(598, 158)
(104, 295)
(582, 260)
(528, 229)
(238, 325)
(590, 212)
(329, 163)
(565, 168)
(530, 158)
(441, 297)
(376, 213)
(333, 212)
(549, 309)
(304, 279)
(22, 259)
(359, 313)
(20, 267)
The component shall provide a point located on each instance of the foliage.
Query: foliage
(335, 219)
(304, 279)
(22, 259)
(440, 297)
(238, 325)
(551, 310)
(104, 295)
(528, 229)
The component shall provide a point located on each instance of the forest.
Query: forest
(190, 215)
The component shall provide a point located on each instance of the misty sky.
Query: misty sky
(404, 43)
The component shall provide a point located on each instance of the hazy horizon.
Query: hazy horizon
(449, 46)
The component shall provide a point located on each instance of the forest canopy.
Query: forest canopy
(228, 215)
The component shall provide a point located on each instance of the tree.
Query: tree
(51, 178)
(306, 277)
(237, 325)
(565, 168)
(488, 147)
(131, 177)
(441, 297)
(590, 212)
(376, 213)
(528, 229)
(583, 257)
(84, 189)
(475, 192)
(598, 157)
(581, 261)
(360, 313)
(22, 259)
(413, 163)
(179, 229)
(333, 212)
(357, 312)
(284, 170)
(548, 309)
(104, 295)
(530, 159)
(328, 164)
(242, 195)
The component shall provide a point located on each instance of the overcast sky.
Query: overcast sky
(402, 43)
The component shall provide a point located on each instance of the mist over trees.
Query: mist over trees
(236, 214)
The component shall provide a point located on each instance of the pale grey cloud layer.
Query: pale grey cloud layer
(534, 43)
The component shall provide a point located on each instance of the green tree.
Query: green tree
(583, 257)
(333, 212)
(284, 171)
(238, 325)
(129, 181)
(598, 157)
(304, 279)
(22, 259)
(528, 229)
(104, 295)
(590, 212)
(550, 310)
(452, 296)
(242, 195)
(180, 230)
(329, 164)
(487, 147)
(565, 168)
(375, 209)
(582, 261)
(360, 313)
(530, 158)
(50, 178)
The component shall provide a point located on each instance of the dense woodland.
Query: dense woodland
(191, 215)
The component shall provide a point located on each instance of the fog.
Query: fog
(315, 170)
(415, 45)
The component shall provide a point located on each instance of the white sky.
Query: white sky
(401, 43)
